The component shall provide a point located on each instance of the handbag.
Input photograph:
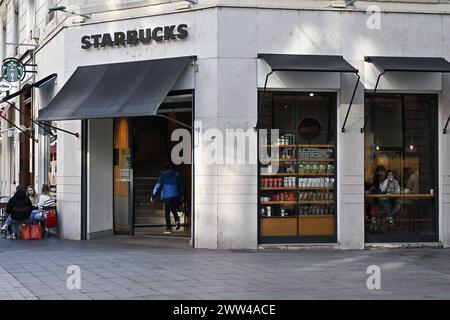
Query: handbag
(51, 220)
(36, 232)
(25, 231)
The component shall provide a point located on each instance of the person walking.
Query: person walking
(171, 188)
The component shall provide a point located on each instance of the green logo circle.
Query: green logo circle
(13, 70)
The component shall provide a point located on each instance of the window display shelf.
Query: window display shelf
(278, 174)
(278, 217)
(280, 188)
(316, 160)
(299, 160)
(316, 202)
(299, 146)
(297, 188)
(268, 203)
(301, 202)
(297, 174)
(331, 174)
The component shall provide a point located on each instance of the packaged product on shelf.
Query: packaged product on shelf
(330, 169)
(301, 169)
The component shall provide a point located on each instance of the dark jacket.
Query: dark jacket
(19, 207)
(170, 185)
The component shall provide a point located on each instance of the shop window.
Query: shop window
(297, 192)
(401, 161)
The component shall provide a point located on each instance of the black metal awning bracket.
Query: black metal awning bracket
(351, 101)
(18, 128)
(446, 125)
(363, 129)
(262, 99)
(75, 134)
(32, 120)
(176, 121)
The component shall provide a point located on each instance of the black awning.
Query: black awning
(410, 64)
(27, 87)
(131, 89)
(307, 63)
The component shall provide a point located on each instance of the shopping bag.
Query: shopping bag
(25, 231)
(51, 220)
(36, 232)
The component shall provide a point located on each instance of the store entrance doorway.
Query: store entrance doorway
(142, 149)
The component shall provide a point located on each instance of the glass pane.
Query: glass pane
(297, 190)
(401, 168)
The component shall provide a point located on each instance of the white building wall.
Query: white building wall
(100, 178)
(227, 41)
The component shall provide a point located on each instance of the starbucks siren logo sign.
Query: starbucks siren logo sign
(13, 70)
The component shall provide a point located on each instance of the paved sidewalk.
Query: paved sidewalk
(117, 270)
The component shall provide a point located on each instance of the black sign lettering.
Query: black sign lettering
(182, 31)
(120, 39)
(86, 44)
(96, 38)
(134, 37)
(145, 36)
(155, 35)
(169, 33)
(107, 40)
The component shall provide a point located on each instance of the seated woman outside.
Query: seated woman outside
(33, 196)
(391, 205)
(18, 209)
(45, 201)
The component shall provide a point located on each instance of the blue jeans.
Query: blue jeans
(392, 206)
(35, 215)
(15, 227)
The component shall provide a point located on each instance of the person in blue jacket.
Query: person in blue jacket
(171, 187)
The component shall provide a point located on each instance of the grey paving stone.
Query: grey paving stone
(52, 297)
(121, 271)
(101, 296)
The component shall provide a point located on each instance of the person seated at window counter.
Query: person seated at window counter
(33, 196)
(391, 205)
(45, 201)
(375, 188)
(19, 209)
(411, 181)
(378, 179)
